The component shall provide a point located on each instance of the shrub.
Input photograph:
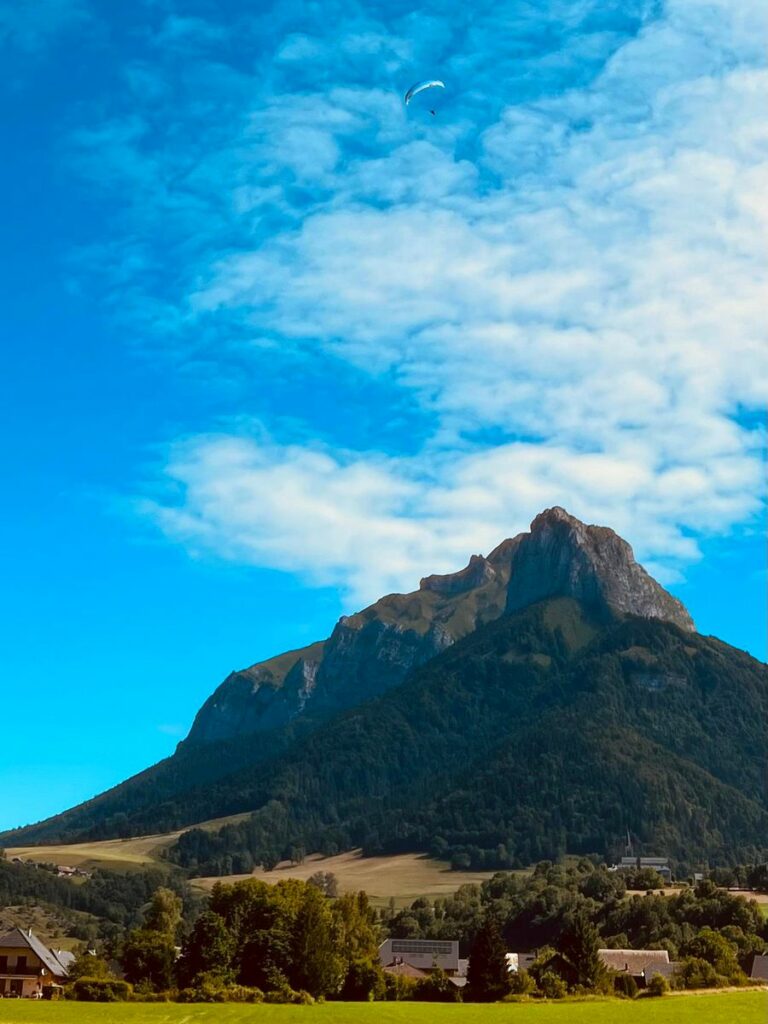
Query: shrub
(397, 988)
(625, 985)
(101, 990)
(243, 994)
(211, 988)
(285, 994)
(551, 985)
(657, 986)
(522, 984)
(693, 972)
(364, 982)
(437, 988)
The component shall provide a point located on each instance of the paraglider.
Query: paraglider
(434, 83)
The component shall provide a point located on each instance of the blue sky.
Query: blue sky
(274, 345)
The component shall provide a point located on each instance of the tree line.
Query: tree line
(296, 941)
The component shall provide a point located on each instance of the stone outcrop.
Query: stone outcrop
(563, 557)
(479, 571)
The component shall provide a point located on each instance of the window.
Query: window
(21, 963)
(3, 964)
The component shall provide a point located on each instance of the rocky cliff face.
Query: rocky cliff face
(562, 556)
(365, 655)
(374, 650)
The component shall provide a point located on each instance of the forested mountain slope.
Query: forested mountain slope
(544, 731)
(548, 697)
(258, 712)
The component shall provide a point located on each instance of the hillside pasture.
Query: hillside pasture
(119, 854)
(714, 1008)
(49, 923)
(403, 877)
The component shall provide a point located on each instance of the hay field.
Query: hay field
(403, 877)
(135, 852)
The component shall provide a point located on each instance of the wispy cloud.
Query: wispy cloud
(373, 524)
(565, 272)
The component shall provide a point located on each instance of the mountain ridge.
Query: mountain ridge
(559, 592)
(378, 646)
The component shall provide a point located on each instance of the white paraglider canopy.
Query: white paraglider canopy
(434, 83)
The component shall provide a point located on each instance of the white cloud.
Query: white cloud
(373, 525)
(566, 273)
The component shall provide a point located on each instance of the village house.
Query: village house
(415, 958)
(660, 864)
(423, 954)
(28, 969)
(640, 964)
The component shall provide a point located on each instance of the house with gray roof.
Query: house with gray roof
(28, 968)
(641, 964)
(422, 953)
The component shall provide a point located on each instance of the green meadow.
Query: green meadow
(717, 1008)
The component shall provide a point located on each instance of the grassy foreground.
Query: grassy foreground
(717, 1008)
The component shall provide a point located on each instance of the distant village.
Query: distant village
(344, 954)
(60, 870)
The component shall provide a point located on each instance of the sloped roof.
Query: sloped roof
(65, 957)
(633, 961)
(405, 970)
(759, 968)
(17, 938)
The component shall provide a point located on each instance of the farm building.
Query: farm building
(422, 953)
(28, 968)
(660, 864)
(641, 964)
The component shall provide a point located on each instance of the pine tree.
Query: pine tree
(579, 947)
(488, 973)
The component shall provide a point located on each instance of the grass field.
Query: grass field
(719, 1008)
(111, 853)
(403, 877)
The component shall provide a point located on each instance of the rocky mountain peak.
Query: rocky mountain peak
(478, 572)
(561, 556)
